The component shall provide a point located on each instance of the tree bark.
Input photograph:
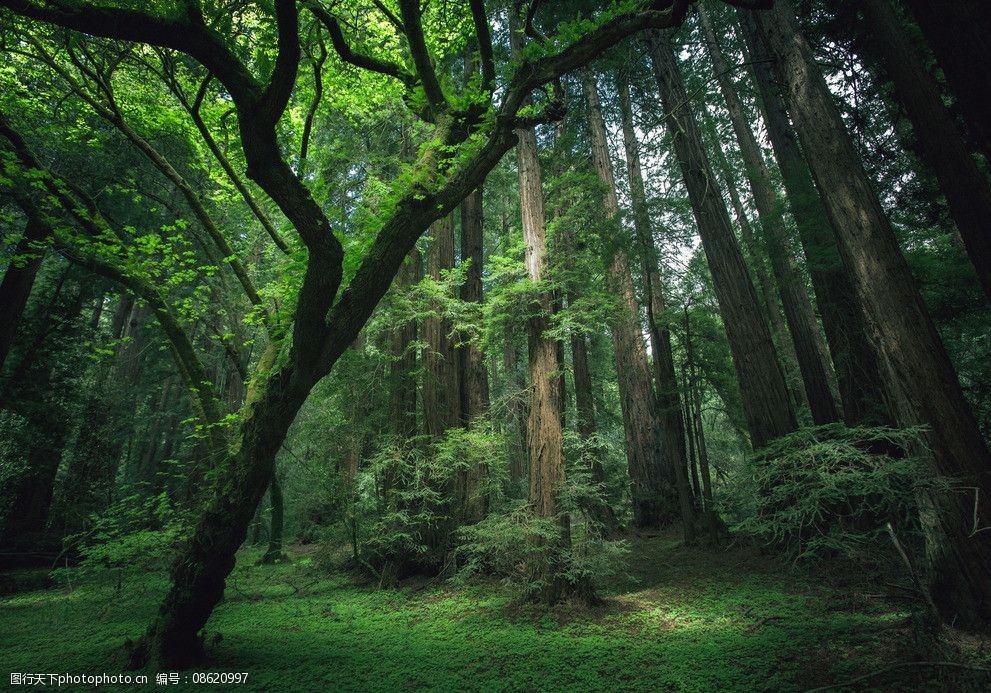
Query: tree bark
(474, 382)
(200, 571)
(857, 371)
(401, 372)
(766, 402)
(795, 300)
(765, 284)
(920, 384)
(274, 553)
(18, 281)
(941, 145)
(668, 405)
(957, 32)
(652, 481)
(441, 397)
(545, 441)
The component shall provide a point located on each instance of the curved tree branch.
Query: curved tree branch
(283, 79)
(182, 31)
(204, 399)
(484, 38)
(348, 55)
(410, 11)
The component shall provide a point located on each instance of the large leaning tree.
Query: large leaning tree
(472, 129)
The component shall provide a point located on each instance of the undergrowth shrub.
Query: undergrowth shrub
(830, 489)
(403, 508)
(511, 542)
(136, 535)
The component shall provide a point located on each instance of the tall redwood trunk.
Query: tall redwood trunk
(766, 402)
(402, 379)
(941, 145)
(652, 482)
(441, 396)
(920, 384)
(765, 284)
(799, 313)
(857, 371)
(18, 281)
(545, 441)
(473, 379)
(957, 32)
(668, 405)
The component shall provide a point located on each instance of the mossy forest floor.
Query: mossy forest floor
(683, 620)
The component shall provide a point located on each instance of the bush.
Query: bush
(831, 488)
(137, 534)
(513, 544)
(403, 508)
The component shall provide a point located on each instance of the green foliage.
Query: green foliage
(694, 622)
(402, 507)
(136, 535)
(831, 488)
(513, 543)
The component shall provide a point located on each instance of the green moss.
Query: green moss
(693, 624)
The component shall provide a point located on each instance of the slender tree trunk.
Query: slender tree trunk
(709, 512)
(921, 386)
(474, 382)
(652, 481)
(957, 32)
(799, 313)
(147, 472)
(765, 284)
(762, 383)
(693, 401)
(690, 435)
(274, 553)
(941, 145)
(857, 371)
(768, 290)
(18, 281)
(401, 373)
(665, 378)
(441, 397)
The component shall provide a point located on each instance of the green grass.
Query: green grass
(685, 620)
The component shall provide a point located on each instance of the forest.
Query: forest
(503, 345)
